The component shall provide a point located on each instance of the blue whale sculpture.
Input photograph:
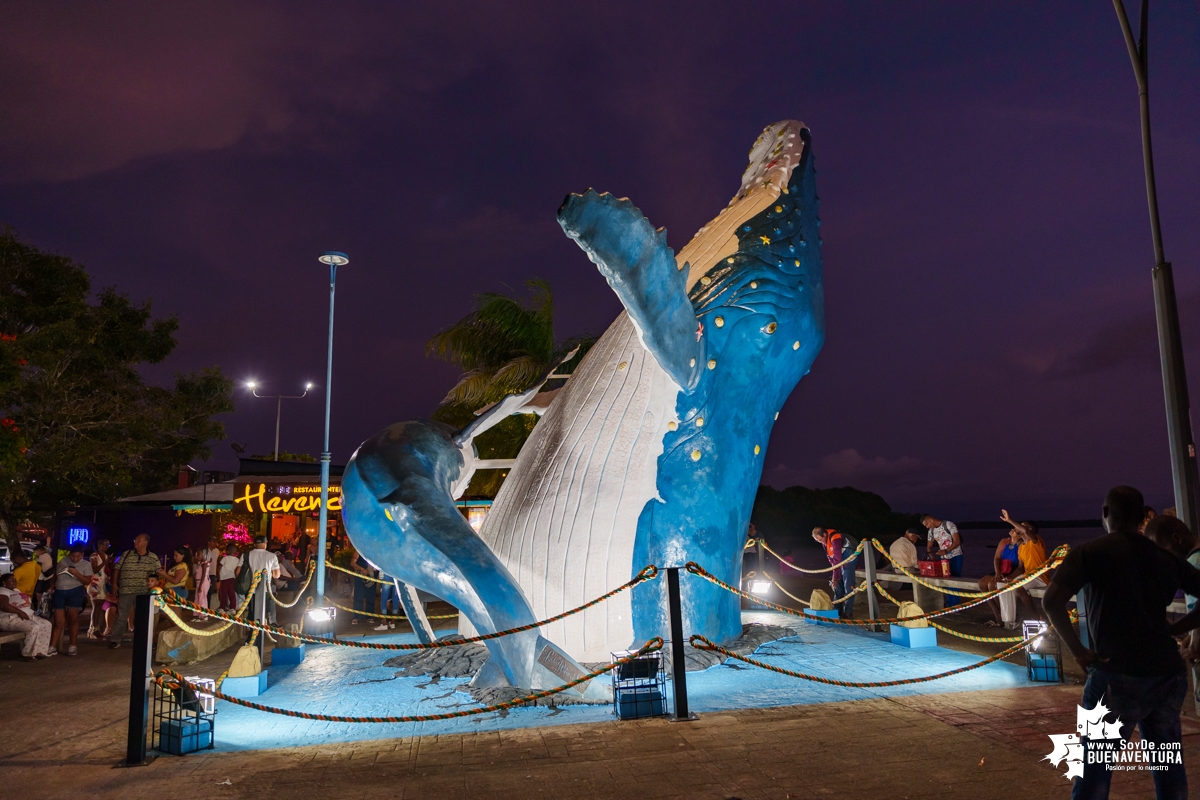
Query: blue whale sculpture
(652, 452)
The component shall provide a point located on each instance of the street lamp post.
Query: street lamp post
(333, 259)
(279, 398)
(1170, 343)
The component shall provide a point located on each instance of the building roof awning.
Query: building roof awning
(208, 493)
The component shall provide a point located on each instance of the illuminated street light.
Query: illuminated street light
(279, 398)
(333, 259)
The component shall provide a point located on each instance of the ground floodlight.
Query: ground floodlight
(322, 614)
(1038, 628)
(760, 588)
(204, 687)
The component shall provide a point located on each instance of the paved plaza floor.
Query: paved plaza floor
(63, 727)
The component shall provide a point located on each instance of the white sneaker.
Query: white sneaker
(72, 650)
(53, 651)
(381, 627)
(391, 625)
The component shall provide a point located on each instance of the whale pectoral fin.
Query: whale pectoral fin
(640, 267)
(490, 676)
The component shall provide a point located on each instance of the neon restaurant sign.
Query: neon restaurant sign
(282, 498)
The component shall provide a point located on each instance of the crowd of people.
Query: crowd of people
(1135, 658)
(45, 599)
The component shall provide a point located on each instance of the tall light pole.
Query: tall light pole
(279, 398)
(1170, 342)
(333, 259)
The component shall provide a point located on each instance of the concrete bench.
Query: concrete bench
(11, 636)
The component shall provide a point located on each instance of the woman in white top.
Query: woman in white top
(16, 614)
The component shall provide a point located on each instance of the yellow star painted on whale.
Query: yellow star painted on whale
(765, 239)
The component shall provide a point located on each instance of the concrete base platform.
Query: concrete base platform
(289, 656)
(177, 646)
(913, 637)
(251, 686)
(353, 682)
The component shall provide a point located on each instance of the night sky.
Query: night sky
(990, 335)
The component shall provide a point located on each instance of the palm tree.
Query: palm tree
(504, 346)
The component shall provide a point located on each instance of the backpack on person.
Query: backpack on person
(849, 545)
(245, 576)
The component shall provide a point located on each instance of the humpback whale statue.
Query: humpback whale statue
(651, 453)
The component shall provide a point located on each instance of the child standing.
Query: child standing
(226, 587)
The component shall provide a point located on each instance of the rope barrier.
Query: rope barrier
(696, 569)
(647, 573)
(213, 612)
(312, 568)
(1056, 558)
(701, 643)
(357, 574)
(789, 594)
(386, 616)
(649, 647)
(838, 565)
(944, 629)
(862, 587)
(751, 575)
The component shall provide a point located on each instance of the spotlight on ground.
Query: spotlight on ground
(322, 614)
(1038, 628)
(322, 621)
(760, 588)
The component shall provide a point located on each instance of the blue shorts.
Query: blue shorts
(70, 598)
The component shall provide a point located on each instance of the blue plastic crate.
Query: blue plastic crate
(179, 737)
(913, 637)
(639, 702)
(827, 614)
(1043, 667)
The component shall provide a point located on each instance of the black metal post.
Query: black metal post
(1184, 475)
(678, 659)
(139, 680)
(261, 601)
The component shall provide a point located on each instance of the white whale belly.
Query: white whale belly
(565, 520)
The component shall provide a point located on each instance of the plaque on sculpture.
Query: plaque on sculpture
(564, 668)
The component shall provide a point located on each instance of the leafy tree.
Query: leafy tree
(504, 346)
(79, 423)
